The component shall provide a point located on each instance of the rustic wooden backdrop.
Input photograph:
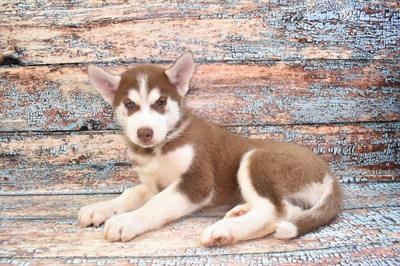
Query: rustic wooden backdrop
(324, 74)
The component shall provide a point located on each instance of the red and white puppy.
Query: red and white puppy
(187, 165)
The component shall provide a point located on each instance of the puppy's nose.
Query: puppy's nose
(145, 134)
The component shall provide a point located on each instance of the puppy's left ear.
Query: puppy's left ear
(181, 72)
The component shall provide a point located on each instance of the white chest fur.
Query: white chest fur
(163, 169)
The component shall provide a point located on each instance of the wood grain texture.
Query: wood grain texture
(65, 162)
(351, 150)
(89, 162)
(37, 33)
(355, 236)
(304, 92)
(323, 74)
(66, 206)
(383, 256)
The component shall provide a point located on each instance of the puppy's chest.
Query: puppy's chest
(161, 169)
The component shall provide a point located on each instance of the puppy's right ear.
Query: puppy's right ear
(104, 82)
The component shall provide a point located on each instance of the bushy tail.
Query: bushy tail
(320, 214)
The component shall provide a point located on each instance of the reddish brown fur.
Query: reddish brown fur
(280, 169)
(276, 170)
(156, 78)
(328, 211)
(214, 167)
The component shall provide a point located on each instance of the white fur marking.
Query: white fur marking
(313, 193)
(142, 82)
(164, 207)
(258, 221)
(163, 169)
(285, 230)
(134, 96)
(121, 113)
(250, 195)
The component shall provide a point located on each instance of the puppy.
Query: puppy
(187, 165)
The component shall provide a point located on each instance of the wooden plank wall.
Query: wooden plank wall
(324, 74)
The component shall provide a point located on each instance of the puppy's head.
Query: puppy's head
(146, 98)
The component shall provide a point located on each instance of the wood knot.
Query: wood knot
(10, 61)
(303, 40)
(74, 161)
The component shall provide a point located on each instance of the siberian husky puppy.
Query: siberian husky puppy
(187, 165)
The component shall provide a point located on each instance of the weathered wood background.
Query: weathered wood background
(324, 74)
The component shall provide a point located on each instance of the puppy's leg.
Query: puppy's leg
(168, 205)
(130, 199)
(256, 223)
(254, 219)
(238, 210)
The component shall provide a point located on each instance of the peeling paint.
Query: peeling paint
(77, 161)
(296, 93)
(313, 105)
(281, 31)
(49, 108)
(354, 155)
(324, 74)
(354, 237)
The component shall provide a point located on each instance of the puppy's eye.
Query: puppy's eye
(129, 105)
(161, 103)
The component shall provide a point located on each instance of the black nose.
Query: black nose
(145, 134)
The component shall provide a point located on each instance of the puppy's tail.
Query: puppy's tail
(320, 214)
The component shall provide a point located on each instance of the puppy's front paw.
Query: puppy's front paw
(218, 234)
(123, 227)
(97, 213)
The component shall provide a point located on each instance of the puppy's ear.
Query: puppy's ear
(181, 72)
(104, 82)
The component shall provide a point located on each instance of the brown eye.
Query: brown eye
(161, 103)
(129, 105)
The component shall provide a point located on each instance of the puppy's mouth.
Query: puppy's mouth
(148, 144)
